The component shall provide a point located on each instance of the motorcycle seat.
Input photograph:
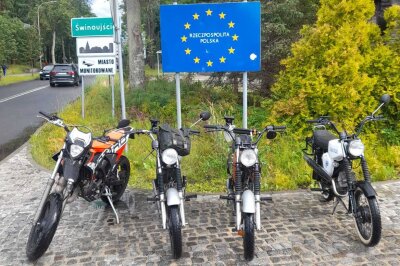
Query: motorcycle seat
(321, 138)
(107, 141)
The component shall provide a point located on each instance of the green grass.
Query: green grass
(9, 79)
(18, 69)
(282, 164)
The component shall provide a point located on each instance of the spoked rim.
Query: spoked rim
(363, 217)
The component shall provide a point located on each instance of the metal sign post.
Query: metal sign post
(83, 96)
(245, 100)
(112, 97)
(178, 100)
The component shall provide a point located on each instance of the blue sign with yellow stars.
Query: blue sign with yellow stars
(211, 37)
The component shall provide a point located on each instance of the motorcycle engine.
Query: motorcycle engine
(341, 183)
(91, 189)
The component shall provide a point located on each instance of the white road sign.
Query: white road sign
(90, 66)
(95, 46)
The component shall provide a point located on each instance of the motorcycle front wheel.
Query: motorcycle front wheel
(175, 234)
(367, 218)
(43, 231)
(120, 181)
(248, 237)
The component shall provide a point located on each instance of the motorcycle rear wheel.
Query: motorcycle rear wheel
(248, 237)
(367, 218)
(123, 174)
(43, 231)
(175, 233)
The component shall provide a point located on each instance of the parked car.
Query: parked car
(64, 74)
(45, 72)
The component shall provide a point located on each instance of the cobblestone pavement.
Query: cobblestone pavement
(297, 228)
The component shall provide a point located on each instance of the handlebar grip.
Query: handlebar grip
(312, 121)
(242, 131)
(196, 132)
(279, 127)
(211, 126)
(45, 114)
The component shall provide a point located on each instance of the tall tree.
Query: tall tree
(135, 44)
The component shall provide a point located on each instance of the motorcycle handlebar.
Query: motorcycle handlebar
(279, 127)
(48, 116)
(194, 132)
(212, 126)
(312, 121)
(244, 131)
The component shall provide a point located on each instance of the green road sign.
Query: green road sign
(84, 27)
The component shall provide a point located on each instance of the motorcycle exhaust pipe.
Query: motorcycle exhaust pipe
(318, 169)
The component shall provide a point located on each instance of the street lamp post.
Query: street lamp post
(40, 39)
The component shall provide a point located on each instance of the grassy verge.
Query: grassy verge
(10, 79)
(282, 164)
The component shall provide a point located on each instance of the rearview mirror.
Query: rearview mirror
(385, 98)
(123, 123)
(205, 116)
(271, 134)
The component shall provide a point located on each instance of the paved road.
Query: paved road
(20, 103)
(298, 230)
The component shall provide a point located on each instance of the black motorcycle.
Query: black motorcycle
(332, 157)
(169, 187)
(244, 175)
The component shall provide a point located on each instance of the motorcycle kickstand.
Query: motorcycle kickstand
(108, 195)
(336, 203)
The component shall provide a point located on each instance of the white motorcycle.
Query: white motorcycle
(169, 186)
(244, 175)
(331, 158)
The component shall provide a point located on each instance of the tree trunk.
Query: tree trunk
(53, 48)
(135, 44)
(64, 58)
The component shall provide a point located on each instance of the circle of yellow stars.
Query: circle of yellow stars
(231, 25)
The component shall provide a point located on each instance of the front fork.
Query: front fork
(351, 182)
(48, 188)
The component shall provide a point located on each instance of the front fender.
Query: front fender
(172, 197)
(248, 202)
(367, 188)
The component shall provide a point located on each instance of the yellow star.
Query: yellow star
(196, 60)
(222, 59)
(209, 63)
(187, 51)
(208, 12)
(187, 26)
(196, 16)
(231, 50)
(184, 38)
(231, 24)
(221, 15)
(235, 37)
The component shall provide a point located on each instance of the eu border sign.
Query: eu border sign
(86, 27)
(211, 37)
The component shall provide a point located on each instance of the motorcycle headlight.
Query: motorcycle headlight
(356, 148)
(75, 150)
(248, 158)
(169, 156)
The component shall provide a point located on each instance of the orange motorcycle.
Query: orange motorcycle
(91, 168)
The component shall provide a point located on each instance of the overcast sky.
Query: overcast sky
(101, 8)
